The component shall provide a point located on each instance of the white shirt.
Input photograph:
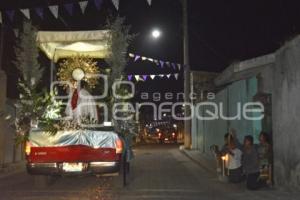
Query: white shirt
(235, 160)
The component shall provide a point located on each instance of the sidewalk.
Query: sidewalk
(208, 163)
(12, 168)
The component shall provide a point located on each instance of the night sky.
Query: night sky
(221, 31)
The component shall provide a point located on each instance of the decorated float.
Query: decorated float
(64, 134)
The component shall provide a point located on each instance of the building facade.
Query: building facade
(274, 81)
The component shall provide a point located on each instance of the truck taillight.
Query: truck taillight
(27, 148)
(119, 146)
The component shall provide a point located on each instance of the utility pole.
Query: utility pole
(187, 77)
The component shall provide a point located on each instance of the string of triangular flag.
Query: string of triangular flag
(132, 77)
(159, 63)
(54, 9)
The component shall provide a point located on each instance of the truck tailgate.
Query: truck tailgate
(72, 153)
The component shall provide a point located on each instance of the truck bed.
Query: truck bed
(78, 151)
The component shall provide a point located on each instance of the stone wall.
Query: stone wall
(286, 115)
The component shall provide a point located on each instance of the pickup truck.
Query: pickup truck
(76, 152)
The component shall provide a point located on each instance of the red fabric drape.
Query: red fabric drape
(74, 99)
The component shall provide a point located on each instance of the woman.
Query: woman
(250, 163)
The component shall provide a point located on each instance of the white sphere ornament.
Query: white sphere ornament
(78, 74)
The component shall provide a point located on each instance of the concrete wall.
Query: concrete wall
(206, 133)
(266, 80)
(286, 115)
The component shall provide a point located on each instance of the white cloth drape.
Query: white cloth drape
(86, 107)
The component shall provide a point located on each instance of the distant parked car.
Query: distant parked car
(167, 136)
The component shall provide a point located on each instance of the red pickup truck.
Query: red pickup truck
(76, 152)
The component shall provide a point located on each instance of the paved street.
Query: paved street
(158, 172)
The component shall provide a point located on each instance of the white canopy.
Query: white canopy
(65, 44)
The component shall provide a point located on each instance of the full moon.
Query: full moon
(156, 33)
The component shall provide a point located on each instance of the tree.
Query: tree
(27, 54)
(119, 42)
(33, 103)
